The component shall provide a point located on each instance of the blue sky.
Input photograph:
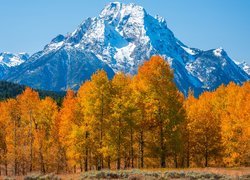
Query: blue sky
(28, 25)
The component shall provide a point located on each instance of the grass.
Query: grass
(148, 174)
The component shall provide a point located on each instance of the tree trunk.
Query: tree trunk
(188, 153)
(86, 160)
(206, 151)
(206, 158)
(118, 162)
(98, 164)
(162, 145)
(42, 165)
(119, 146)
(31, 144)
(175, 160)
(131, 147)
(141, 149)
(23, 168)
(101, 164)
(15, 153)
(86, 153)
(126, 160)
(81, 164)
(90, 159)
(109, 163)
(6, 168)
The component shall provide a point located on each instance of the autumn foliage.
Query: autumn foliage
(127, 122)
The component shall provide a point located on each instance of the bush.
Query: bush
(106, 174)
(147, 175)
(136, 177)
(193, 175)
(245, 177)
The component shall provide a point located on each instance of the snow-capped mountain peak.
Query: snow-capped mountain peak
(116, 11)
(117, 34)
(218, 52)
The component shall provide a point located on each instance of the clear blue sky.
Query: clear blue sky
(28, 25)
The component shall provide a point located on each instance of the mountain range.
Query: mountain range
(121, 38)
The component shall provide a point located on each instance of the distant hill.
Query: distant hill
(11, 90)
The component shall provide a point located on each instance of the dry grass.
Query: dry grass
(233, 172)
(226, 171)
(69, 176)
(237, 171)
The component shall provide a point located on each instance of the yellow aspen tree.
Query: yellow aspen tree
(141, 121)
(245, 115)
(205, 129)
(187, 131)
(163, 102)
(84, 133)
(235, 124)
(99, 110)
(94, 99)
(47, 114)
(29, 101)
(121, 108)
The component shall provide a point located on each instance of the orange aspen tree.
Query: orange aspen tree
(68, 116)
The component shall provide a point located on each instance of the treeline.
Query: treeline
(11, 90)
(127, 122)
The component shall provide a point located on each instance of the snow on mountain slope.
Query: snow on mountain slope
(214, 68)
(121, 38)
(58, 69)
(11, 60)
(8, 60)
(244, 66)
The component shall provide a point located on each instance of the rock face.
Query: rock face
(121, 38)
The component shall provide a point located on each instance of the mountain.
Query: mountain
(8, 60)
(121, 38)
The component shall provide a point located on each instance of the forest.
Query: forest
(128, 122)
(11, 90)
